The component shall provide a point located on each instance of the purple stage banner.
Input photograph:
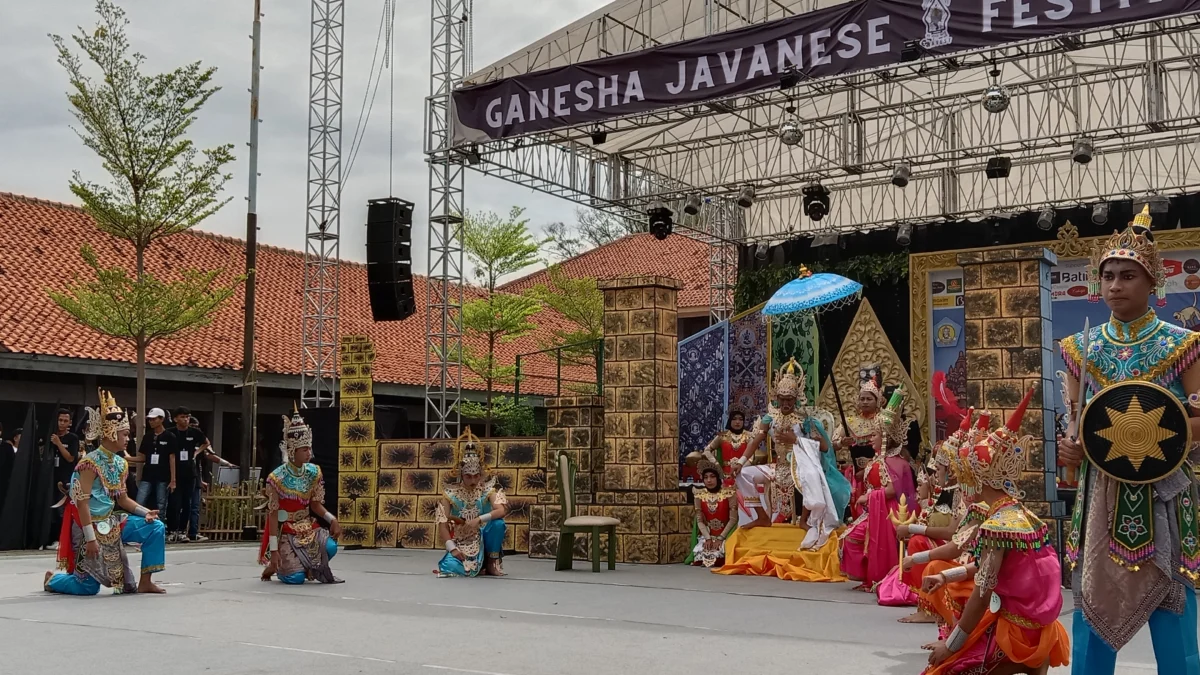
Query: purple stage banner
(853, 36)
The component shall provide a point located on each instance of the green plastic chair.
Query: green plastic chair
(573, 524)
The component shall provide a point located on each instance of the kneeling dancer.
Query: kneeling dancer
(470, 518)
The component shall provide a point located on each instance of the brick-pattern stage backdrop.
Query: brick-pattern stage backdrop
(358, 458)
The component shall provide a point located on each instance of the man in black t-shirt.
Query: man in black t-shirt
(189, 440)
(65, 446)
(158, 452)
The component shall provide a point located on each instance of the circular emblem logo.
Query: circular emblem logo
(103, 527)
(1136, 432)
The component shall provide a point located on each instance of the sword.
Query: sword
(1083, 371)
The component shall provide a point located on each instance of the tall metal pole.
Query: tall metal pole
(249, 366)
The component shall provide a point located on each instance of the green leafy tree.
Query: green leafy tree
(160, 184)
(580, 302)
(496, 246)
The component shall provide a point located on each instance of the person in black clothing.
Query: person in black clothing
(189, 440)
(158, 452)
(65, 446)
(8, 455)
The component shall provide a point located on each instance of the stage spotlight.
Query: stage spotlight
(998, 167)
(745, 198)
(904, 234)
(660, 221)
(760, 250)
(911, 51)
(790, 131)
(825, 239)
(900, 174)
(789, 78)
(473, 156)
(816, 201)
(1100, 213)
(691, 207)
(1082, 151)
(599, 136)
(996, 96)
(1045, 219)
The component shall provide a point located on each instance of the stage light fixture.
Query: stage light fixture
(996, 97)
(789, 78)
(661, 223)
(1159, 204)
(1045, 220)
(1082, 151)
(1100, 213)
(691, 207)
(911, 51)
(900, 174)
(790, 131)
(998, 167)
(904, 234)
(473, 156)
(760, 250)
(599, 136)
(816, 200)
(825, 239)
(745, 198)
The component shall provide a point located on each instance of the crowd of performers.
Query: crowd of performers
(979, 564)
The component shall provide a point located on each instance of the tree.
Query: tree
(161, 184)
(594, 228)
(496, 246)
(577, 300)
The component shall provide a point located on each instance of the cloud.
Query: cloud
(41, 151)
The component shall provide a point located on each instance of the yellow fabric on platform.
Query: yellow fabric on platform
(772, 551)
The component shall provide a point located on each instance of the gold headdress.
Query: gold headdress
(788, 383)
(469, 461)
(1136, 243)
(105, 420)
(947, 451)
(997, 460)
(892, 420)
(296, 434)
(871, 388)
(967, 479)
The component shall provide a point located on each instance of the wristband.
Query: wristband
(917, 529)
(141, 511)
(921, 558)
(956, 640)
(273, 543)
(955, 573)
(89, 532)
(451, 546)
(485, 518)
(328, 517)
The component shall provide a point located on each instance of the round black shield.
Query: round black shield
(1136, 432)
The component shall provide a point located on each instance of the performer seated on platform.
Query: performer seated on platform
(470, 519)
(1010, 623)
(294, 547)
(869, 548)
(802, 453)
(728, 446)
(90, 545)
(1134, 547)
(716, 514)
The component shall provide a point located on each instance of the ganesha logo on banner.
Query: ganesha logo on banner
(937, 23)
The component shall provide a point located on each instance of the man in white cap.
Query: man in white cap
(158, 451)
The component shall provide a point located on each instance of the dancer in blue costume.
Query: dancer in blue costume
(470, 518)
(1133, 548)
(91, 543)
(294, 547)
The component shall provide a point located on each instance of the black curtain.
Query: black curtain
(14, 511)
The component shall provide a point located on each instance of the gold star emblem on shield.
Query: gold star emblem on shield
(1135, 434)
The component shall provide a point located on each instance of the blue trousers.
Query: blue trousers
(151, 535)
(194, 516)
(1174, 637)
(297, 578)
(492, 535)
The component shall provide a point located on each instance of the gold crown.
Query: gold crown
(107, 419)
(870, 387)
(997, 461)
(1135, 243)
(788, 383)
(469, 462)
(960, 465)
(296, 433)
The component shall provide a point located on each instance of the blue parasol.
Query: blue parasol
(811, 293)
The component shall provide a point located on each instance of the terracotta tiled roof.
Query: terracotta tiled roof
(41, 242)
(677, 256)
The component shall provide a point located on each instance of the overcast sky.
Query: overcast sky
(39, 150)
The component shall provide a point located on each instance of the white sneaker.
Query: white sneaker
(183, 539)
(53, 546)
(199, 538)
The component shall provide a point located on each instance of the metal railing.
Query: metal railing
(227, 510)
(568, 370)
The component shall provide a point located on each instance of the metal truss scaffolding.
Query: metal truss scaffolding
(1133, 91)
(318, 379)
(444, 295)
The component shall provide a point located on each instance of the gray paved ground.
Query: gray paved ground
(393, 616)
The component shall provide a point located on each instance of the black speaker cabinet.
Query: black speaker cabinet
(389, 259)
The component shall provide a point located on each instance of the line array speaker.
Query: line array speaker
(389, 259)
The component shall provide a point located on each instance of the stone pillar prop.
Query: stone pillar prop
(574, 424)
(358, 456)
(640, 483)
(1008, 345)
